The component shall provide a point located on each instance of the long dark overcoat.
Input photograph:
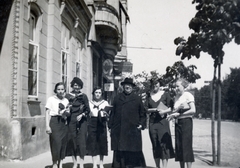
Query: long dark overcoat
(127, 114)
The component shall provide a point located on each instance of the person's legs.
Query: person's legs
(182, 164)
(118, 161)
(157, 162)
(74, 158)
(101, 161)
(155, 145)
(82, 141)
(55, 139)
(54, 152)
(54, 165)
(189, 164)
(94, 158)
(187, 140)
(164, 163)
(60, 163)
(81, 161)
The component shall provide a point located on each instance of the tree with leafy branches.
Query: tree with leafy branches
(216, 23)
(231, 91)
(203, 101)
(177, 70)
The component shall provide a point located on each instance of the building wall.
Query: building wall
(22, 119)
(6, 87)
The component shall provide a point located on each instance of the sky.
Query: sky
(155, 24)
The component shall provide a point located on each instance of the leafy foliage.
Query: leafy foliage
(230, 105)
(178, 69)
(143, 79)
(216, 22)
(231, 93)
(203, 101)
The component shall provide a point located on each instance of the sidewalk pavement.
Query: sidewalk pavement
(44, 160)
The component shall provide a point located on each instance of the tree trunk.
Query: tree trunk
(219, 116)
(213, 117)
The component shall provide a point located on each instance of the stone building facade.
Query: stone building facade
(47, 41)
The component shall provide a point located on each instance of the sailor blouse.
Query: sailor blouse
(96, 107)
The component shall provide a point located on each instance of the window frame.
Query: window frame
(65, 45)
(34, 43)
(78, 61)
(64, 70)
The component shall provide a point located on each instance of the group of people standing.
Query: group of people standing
(78, 127)
(180, 109)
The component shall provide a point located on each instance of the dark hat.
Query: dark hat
(77, 81)
(128, 81)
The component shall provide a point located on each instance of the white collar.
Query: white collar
(97, 103)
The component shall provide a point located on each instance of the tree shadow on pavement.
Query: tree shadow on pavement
(204, 156)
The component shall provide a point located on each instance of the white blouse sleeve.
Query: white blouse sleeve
(189, 97)
(49, 103)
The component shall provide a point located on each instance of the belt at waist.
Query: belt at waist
(186, 116)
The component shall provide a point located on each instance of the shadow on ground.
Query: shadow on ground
(88, 165)
(204, 156)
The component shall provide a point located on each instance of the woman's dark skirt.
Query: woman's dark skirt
(77, 136)
(58, 138)
(184, 140)
(97, 143)
(127, 159)
(161, 139)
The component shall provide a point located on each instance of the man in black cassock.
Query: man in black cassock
(126, 121)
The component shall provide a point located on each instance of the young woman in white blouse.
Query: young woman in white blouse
(56, 115)
(184, 109)
(97, 144)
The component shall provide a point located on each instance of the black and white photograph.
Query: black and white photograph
(119, 83)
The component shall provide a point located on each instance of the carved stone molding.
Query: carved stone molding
(14, 56)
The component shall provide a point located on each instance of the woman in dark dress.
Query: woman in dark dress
(77, 128)
(97, 144)
(159, 130)
(56, 113)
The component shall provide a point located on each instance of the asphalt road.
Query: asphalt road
(230, 150)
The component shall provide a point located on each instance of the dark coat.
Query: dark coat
(127, 114)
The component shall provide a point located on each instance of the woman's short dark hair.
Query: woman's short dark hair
(97, 88)
(78, 81)
(58, 84)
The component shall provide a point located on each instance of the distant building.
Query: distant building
(47, 41)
